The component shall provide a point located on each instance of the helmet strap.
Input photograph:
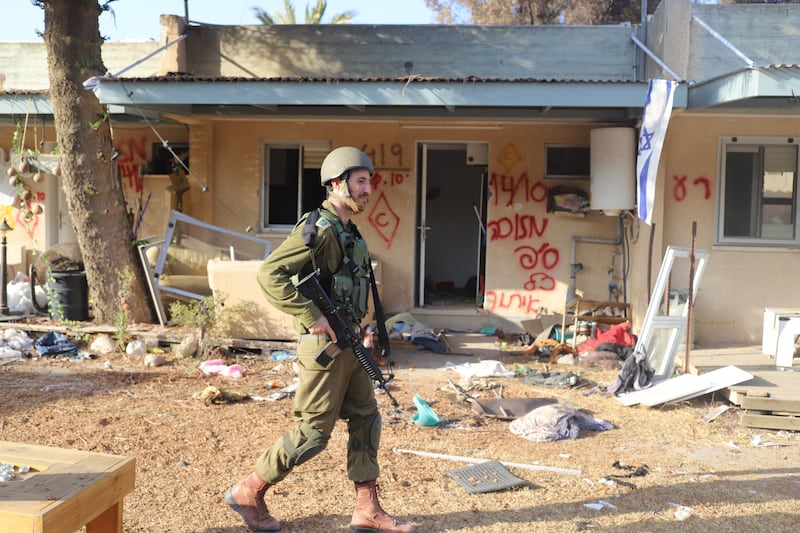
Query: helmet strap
(343, 194)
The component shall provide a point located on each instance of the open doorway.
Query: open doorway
(451, 223)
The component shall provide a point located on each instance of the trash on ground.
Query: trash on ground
(482, 369)
(555, 422)
(54, 343)
(490, 476)
(758, 442)
(218, 367)
(216, 395)
(425, 415)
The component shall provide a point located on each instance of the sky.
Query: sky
(137, 20)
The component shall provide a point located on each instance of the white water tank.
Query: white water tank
(612, 169)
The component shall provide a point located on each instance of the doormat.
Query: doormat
(485, 477)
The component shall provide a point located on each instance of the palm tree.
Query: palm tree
(313, 15)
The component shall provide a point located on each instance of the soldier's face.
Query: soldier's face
(360, 187)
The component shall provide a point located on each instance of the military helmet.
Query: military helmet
(343, 159)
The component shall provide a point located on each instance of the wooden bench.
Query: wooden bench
(64, 490)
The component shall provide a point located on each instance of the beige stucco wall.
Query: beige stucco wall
(739, 282)
(528, 248)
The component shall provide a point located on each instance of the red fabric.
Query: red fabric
(619, 334)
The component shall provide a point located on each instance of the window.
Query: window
(163, 162)
(758, 191)
(291, 182)
(562, 161)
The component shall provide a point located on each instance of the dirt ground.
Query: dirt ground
(188, 453)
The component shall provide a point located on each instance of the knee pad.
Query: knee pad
(312, 442)
(365, 432)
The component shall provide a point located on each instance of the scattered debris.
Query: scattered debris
(730, 444)
(216, 395)
(476, 460)
(218, 367)
(490, 476)
(482, 369)
(54, 343)
(510, 408)
(682, 512)
(561, 380)
(715, 413)
(601, 504)
(555, 422)
(425, 415)
(758, 442)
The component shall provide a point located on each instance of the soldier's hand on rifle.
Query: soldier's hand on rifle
(321, 327)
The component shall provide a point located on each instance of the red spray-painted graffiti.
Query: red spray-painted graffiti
(387, 179)
(380, 156)
(133, 152)
(384, 220)
(519, 227)
(680, 191)
(536, 260)
(530, 257)
(539, 281)
(524, 303)
(516, 189)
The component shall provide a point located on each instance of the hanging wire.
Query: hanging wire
(179, 160)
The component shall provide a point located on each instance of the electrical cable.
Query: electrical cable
(164, 143)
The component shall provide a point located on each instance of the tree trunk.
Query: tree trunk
(91, 184)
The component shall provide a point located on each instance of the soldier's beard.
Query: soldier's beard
(349, 201)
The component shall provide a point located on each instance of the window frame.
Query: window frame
(314, 149)
(551, 169)
(762, 142)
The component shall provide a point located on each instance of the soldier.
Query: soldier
(342, 389)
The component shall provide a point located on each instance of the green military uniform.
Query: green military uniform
(342, 389)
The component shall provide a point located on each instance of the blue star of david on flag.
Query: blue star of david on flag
(655, 118)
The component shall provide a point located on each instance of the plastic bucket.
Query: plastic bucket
(68, 295)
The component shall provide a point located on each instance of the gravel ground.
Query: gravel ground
(710, 474)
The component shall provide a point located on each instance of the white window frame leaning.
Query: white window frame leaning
(768, 149)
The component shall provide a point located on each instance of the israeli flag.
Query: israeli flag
(657, 110)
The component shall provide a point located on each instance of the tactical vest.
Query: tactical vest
(349, 285)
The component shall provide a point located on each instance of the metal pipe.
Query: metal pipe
(576, 267)
(655, 58)
(478, 460)
(723, 40)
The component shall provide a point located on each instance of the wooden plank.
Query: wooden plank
(91, 502)
(37, 457)
(110, 521)
(790, 423)
(770, 404)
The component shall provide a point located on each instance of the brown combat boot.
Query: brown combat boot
(369, 517)
(247, 499)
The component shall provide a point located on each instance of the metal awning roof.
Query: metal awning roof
(472, 98)
(764, 89)
(404, 97)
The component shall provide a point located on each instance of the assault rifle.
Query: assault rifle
(346, 336)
